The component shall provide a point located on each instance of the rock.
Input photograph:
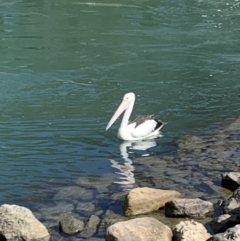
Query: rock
(146, 229)
(188, 208)
(232, 205)
(230, 235)
(145, 200)
(111, 218)
(190, 144)
(190, 231)
(18, 223)
(71, 225)
(231, 180)
(85, 208)
(73, 193)
(234, 126)
(91, 227)
(223, 222)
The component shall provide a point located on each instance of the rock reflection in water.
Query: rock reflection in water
(126, 170)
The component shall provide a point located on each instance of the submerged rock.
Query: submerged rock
(85, 208)
(190, 231)
(71, 225)
(190, 144)
(111, 218)
(18, 223)
(145, 200)
(146, 229)
(73, 193)
(234, 127)
(91, 226)
(188, 208)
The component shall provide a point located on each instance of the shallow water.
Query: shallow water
(64, 67)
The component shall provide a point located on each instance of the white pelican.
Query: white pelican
(142, 127)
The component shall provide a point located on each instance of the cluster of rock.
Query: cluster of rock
(144, 200)
(18, 223)
(192, 216)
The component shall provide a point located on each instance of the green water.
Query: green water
(65, 65)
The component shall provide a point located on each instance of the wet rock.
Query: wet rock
(190, 231)
(230, 235)
(146, 229)
(188, 208)
(232, 205)
(91, 226)
(55, 211)
(111, 218)
(85, 208)
(73, 193)
(234, 126)
(145, 200)
(18, 223)
(190, 144)
(223, 222)
(100, 185)
(70, 224)
(231, 180)
(95, 239)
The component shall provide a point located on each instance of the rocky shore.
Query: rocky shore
(191, 205)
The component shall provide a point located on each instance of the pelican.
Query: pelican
(142, 127)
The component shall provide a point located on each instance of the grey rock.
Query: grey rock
(111, 218)
(85, 208)
(232, 205)
(234, 126)
(70, 224)
(73, 193)
(231, 180)
(91, 227)
(188, 208)
(190, 231)
(223, 222)
(191, 144)
(232, 234)
(18, 223)
(146, 229)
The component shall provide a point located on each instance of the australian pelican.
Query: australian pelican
(142, 127)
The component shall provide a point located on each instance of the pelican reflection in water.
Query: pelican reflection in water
(126, 170)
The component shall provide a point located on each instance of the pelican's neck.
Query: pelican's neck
(127, 114)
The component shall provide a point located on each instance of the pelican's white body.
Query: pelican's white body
(130, 131)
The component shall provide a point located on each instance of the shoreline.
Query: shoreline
(213, 156)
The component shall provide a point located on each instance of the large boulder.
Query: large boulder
(145, 200)
(190, 231)
(18, 223)
(188, 208)
(145, 229)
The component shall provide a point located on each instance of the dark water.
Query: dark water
(65, 65)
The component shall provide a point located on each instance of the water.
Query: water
(64, 67)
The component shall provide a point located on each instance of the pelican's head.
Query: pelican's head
(127, 100)
(129, 97)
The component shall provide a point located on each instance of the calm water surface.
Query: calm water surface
(65, 65)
